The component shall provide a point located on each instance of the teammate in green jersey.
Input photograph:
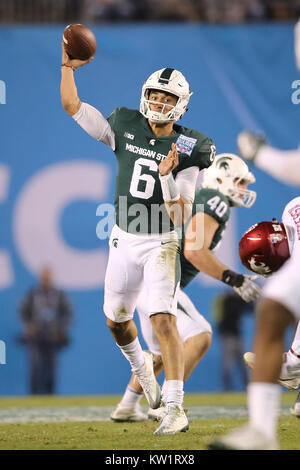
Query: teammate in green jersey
(224, 185)
(158, 165)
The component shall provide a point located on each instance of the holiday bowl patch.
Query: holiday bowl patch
(185, 144)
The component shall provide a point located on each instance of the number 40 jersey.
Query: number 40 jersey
(139, 152)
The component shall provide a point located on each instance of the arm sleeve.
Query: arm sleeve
(95, 124)
(186, 182)
(281, 164)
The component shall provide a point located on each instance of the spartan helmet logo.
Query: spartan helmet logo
(223, 163)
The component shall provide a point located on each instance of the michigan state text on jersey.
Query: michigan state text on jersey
(139, 153)
(141, 140)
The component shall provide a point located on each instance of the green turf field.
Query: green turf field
(82, 423)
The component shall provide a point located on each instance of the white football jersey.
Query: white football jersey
(291, 218)
(284, 286)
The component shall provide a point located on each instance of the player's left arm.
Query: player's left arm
(178, 194)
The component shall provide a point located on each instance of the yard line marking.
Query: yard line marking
(56, 414)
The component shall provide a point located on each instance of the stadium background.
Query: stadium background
(53, 176)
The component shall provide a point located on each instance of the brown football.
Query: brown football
(80, 42)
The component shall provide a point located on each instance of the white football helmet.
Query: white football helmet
(170, 81)
(225, 173)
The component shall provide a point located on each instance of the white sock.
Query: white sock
(134, 354)
(174, 392)
(164, 392)
(131, 397)
(263, 405)
(293, 355)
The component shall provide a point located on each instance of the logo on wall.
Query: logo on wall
(37, 217)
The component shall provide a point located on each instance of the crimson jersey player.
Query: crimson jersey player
(263, 249)
(267, 248)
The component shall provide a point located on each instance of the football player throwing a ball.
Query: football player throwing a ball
(158, 165)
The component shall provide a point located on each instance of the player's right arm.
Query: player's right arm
(88, 117)
(68, 90)
(197, 251)
(197, 245)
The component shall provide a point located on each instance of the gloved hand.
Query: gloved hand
(249, 290)
(243, 285)
(249, 143)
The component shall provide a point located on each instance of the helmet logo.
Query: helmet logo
(223, 163)
(276, 237)
(262, 268)
(277, 227)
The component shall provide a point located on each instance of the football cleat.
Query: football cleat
(244, 438)
(295, 410)
(158, 414)
(291, 383)
(128, 414)
(148, 382)
(174, 421)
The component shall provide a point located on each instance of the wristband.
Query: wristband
(232, 279)
(169, 188)
(68, 66)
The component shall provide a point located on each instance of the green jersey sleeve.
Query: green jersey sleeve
(204, 153)
(194, 149)
(113, 117)
(115, 120)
